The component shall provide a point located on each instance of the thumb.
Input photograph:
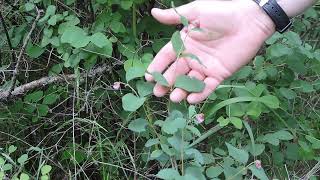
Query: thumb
(170, 16)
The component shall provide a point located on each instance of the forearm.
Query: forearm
(295, 7)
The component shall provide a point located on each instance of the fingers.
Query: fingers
(178, 68)
(170, 16)
(178, 94)
(211, 85)
(162, 60)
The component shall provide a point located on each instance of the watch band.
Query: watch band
(276, 13)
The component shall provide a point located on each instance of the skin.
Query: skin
(232, 33)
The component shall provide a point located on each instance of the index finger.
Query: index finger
(162, 60)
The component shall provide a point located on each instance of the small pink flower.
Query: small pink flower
(200, 118)
(258, 164)
(116, 85)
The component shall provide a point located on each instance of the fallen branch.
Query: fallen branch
(5, 95)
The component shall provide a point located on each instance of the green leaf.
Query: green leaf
(152, 142)
(258, 149)
(168, 174)
(214, 171)
(53, 20)
(183, 19)
(45, 177)
(171, 126)
(196, 155)
(7, 167)
(209, 158)
(237, 122)
(259, 173)
(46, 169)
(159, 78)
(254, 109)
(34, 97)
(50, 99)
(244, 72)
(106, 51)
(34, 51)
(194, 173)
(73, 60)
(24, 176)
(270, 138)
(135, 72)
(75, 36)
(194, 130)
(117, 27)
(51, 10)
(29, 6)
(144, 88)
(138, 125)
(177, 43)
(235, 110)
(283, 135)
(177, 143)
(288, 93)
(12, 149)
(165, 148)
(189, 84)
(278, 50)
(238, 154)
(156, 153)
(215, 108)
(223, 122)
(192, 57)
(42, 110)
(292, 151)
(131, 102)
(270, 101)
(2, 162)
(126, 4)
(22, 159)
(100, 40)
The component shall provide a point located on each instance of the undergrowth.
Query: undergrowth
(84, 111)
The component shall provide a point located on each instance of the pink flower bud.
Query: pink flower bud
(200, 118)
(116, 85)
(258, 164)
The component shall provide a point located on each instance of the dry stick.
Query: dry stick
(50, 80)
(16, 70)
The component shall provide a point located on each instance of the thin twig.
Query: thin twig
(25, 42)
(312, 172)
(50, 80)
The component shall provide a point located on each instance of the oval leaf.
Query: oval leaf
(138, 125)
(189, 84)
(131, 102)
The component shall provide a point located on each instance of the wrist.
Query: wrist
(260, 18)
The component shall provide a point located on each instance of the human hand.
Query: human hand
(231, 34)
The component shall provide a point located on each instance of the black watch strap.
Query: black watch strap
(276, 13)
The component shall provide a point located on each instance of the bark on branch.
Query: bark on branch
(5, 95)
(25, 42)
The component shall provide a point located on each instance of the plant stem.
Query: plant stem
(134, 20)
(206, 135)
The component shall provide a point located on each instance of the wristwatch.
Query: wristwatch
(276, 13)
